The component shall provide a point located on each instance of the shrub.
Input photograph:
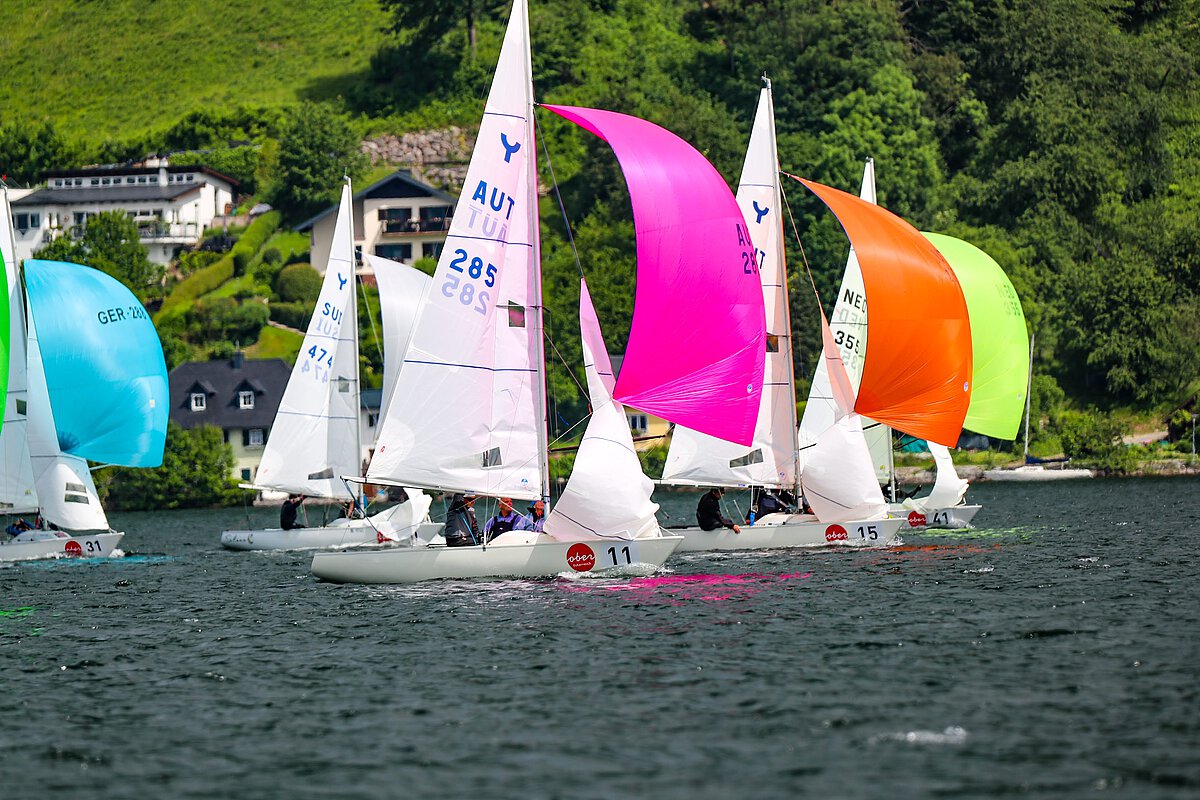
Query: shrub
(224, 318)
(255, 236)
(298, 283)
(294, 315)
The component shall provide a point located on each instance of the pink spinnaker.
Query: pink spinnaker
(697, 343)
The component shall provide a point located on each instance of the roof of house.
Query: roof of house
(399, 184)
(106, 194)
(103, 170)
(220, 382)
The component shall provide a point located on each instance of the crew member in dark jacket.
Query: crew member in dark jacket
(287, 514)
(708, 512)
(461, 528)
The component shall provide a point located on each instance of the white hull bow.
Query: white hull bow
(949, 517)
(1035, 472)
(793, 530)
(517, 555)
(98, 545)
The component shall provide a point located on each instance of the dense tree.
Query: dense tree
(110, 243)
(317, 147)
(195, 473)
(27, 149)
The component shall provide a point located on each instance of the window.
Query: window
(199, 401)
(26, 221)
(190, 178)
(95, 181)
(436, 218)
(516, 316)
(79, 181)
(432, 249)
(130, 179)
(255, 438)
(395, 220)
(141, 178)
(246, 400)
(753, 457)
(246, 474)
(396, 252)
(772, 343)
(637, 423)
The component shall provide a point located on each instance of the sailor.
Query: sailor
(17, 528)
(505, 520)
(287, 514)
(708, 512)
(535, 520)
(769, 503)
(461, 528)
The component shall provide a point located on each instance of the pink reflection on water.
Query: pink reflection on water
(675, 589)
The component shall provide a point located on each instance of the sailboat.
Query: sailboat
(469, 412)
(771, 461)
(87, 380)
(1034, 469)
(998, 392)
(316, 437)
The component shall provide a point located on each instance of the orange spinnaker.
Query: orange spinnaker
(917, 372)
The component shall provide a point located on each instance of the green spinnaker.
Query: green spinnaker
(999, 340)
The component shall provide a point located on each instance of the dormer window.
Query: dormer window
(246, 400)
(199, 401)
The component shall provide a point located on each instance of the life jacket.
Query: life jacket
(503, 524)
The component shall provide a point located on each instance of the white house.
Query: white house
(399, 218)
(172, 205)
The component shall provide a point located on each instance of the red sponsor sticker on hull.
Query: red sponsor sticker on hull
(580, 557)
(835, 533)
(73, 548)
(915, 520)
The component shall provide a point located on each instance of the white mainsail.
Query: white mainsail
(401, 290)
(607, 495)
(468, 411)
(697, 459)
(315, 439)
(18, 493)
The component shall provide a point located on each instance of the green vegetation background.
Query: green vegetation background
(1061, 136)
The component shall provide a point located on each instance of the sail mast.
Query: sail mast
(356, 375)
(1028, 395)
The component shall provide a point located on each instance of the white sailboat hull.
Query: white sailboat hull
(97, 545)
(949, 517)
(1035, 472)
(355, 534)
(521, 556)
(792, 530)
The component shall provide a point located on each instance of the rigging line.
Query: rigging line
(566, 366)
(370, 316)
(558, 196)
(796, 234)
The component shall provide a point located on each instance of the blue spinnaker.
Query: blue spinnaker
(103, 362)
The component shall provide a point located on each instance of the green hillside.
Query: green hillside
(122, 68)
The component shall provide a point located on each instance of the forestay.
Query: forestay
(695, 258)
(698, 459)
(315, 439)
(468, 411)
(607, 495)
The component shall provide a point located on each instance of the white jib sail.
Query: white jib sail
(315, 438)
(697, 459)
(18, 493)
(401, 290)
(948, 489)
(838, 480)
(468, 412)
(65, 490)
(848, 324)
(608, 495)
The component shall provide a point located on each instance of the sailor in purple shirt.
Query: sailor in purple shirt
(506, 520)
(536, 519)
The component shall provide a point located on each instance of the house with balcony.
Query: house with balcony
(398, 218)
(172, 205)
(241, 397)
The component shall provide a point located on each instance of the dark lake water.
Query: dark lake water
(1052, 652)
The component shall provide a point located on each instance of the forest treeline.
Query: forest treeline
(1061, 136)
